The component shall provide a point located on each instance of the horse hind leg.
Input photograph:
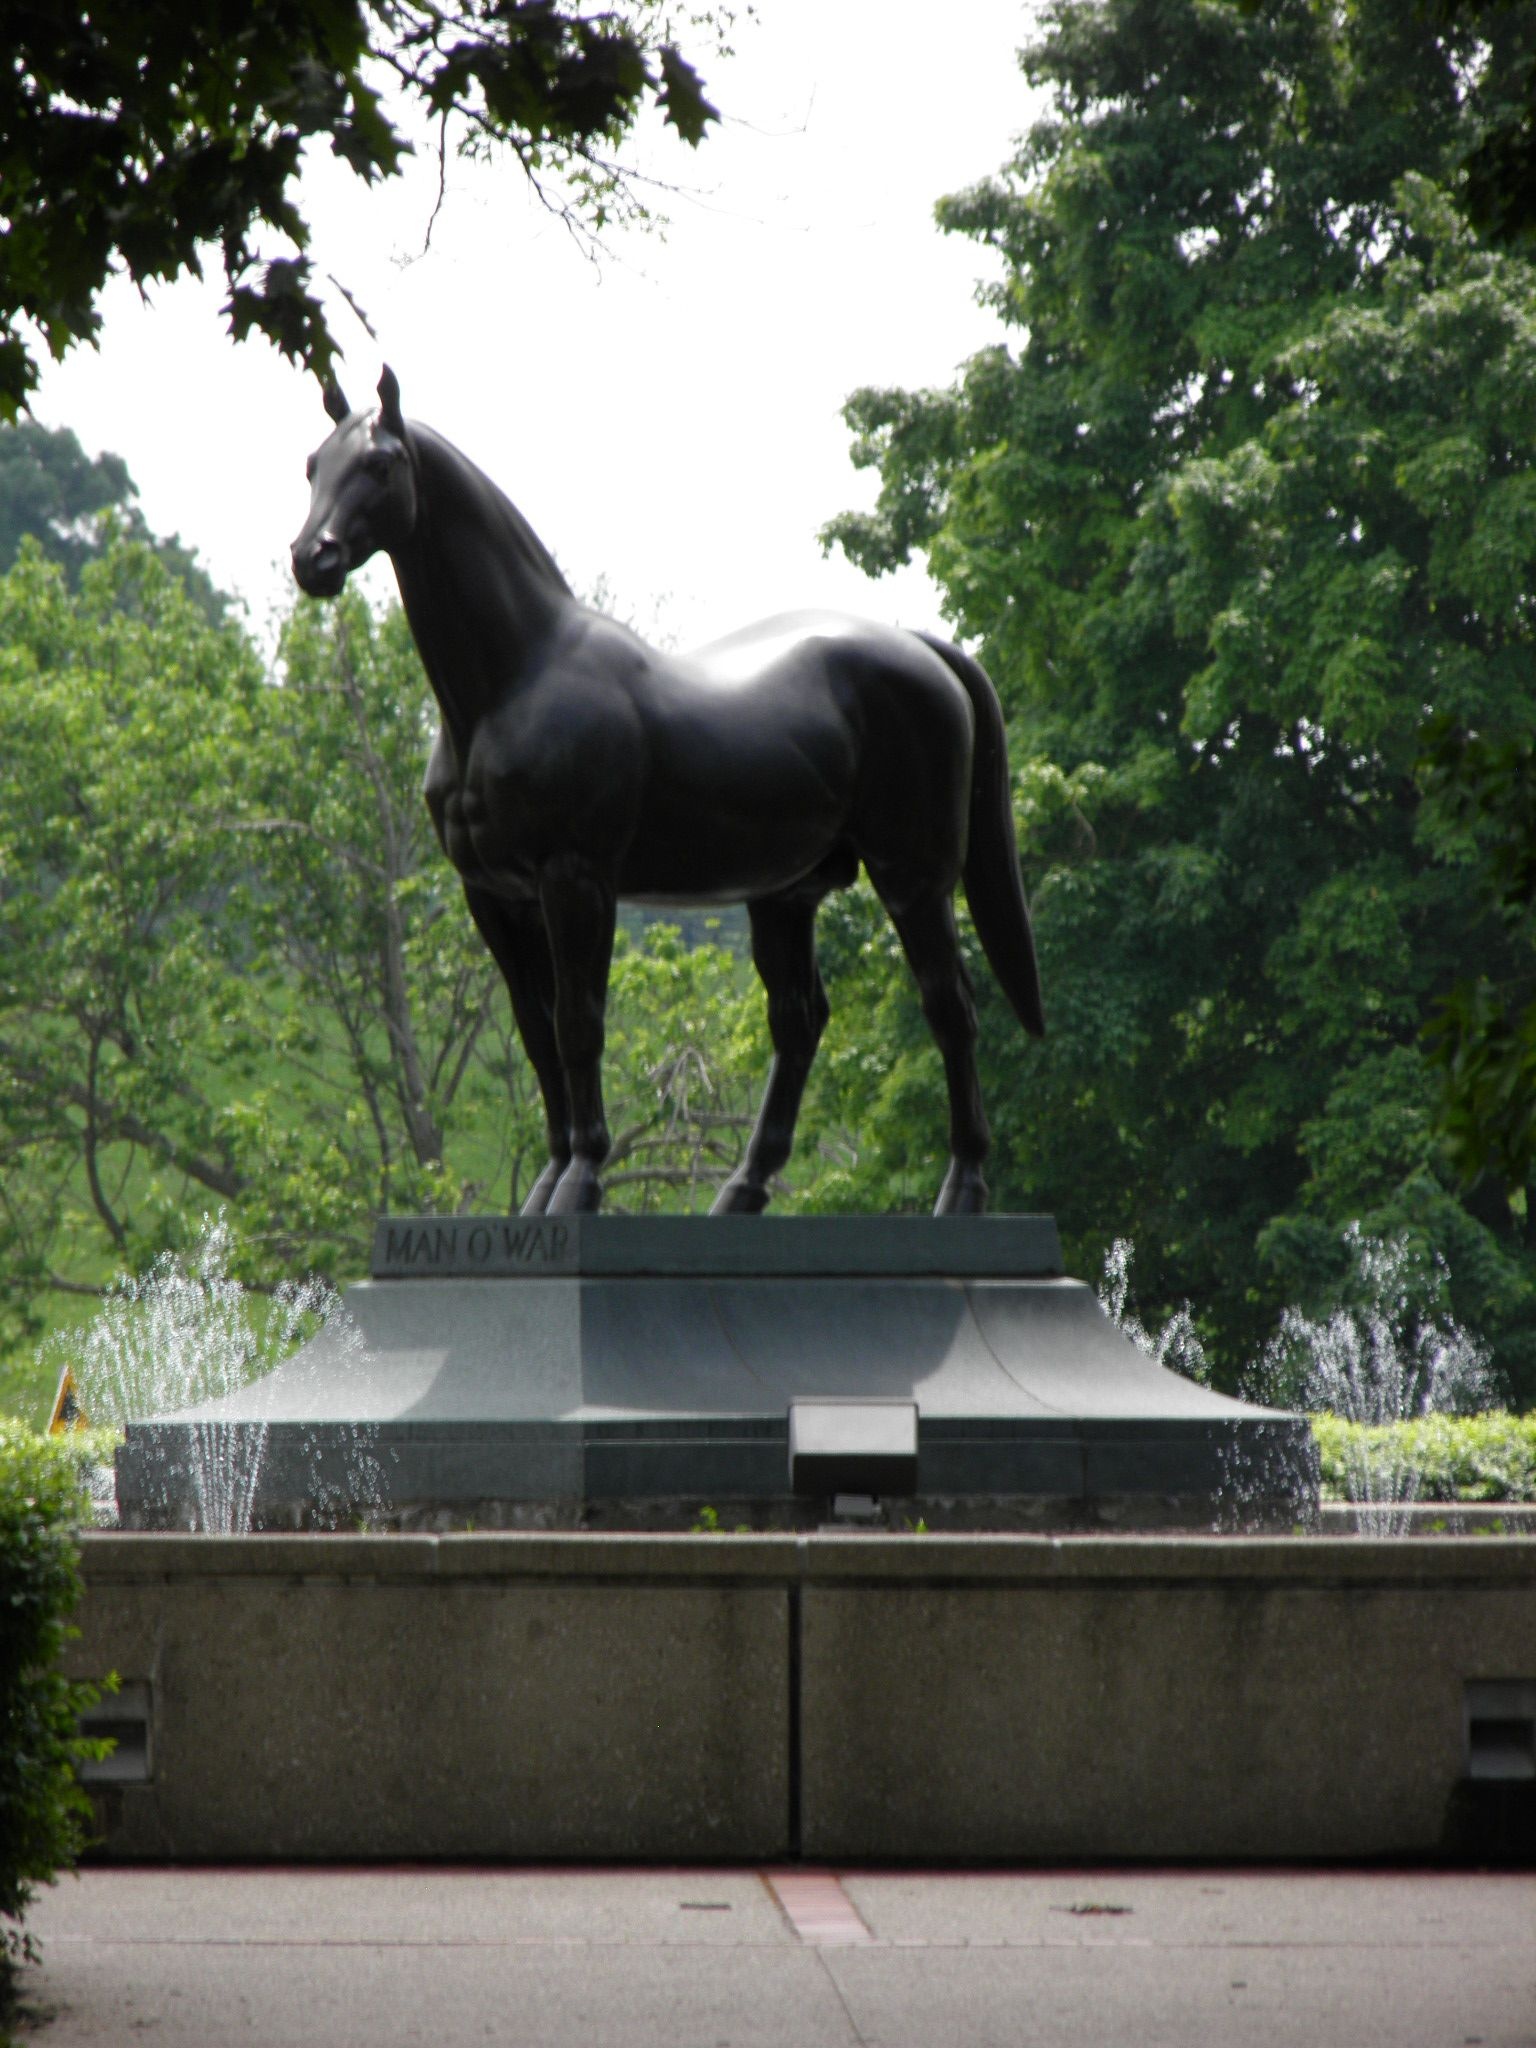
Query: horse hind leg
(925, 924)
(784, 954)
(578, 906)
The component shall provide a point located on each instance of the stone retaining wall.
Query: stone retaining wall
(846, 1698)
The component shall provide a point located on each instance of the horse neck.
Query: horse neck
(482, 592)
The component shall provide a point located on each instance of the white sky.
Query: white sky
(667, 419)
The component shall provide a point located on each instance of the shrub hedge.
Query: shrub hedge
(44, 1814)
(1457, 1457)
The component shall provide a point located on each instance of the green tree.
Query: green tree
(51, 489)
(227, 979)
(1366, 558)
(71, 503)
(687, 1058)
(138, 135)
(1481, 789)
(121, 708)
(1501, 158)
(1246, 496)
(381, 1004)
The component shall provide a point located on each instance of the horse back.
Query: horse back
(907, 724)
(768, 752)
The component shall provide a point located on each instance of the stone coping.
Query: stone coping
(823, 1558)
(760, 1247)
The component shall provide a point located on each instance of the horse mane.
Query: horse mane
(449, 477)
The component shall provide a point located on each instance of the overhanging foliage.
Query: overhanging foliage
(141, 136)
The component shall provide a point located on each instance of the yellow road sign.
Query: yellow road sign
(67, 1411)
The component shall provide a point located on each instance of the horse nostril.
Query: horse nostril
(317, 562)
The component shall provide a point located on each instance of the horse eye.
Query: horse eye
(377, 465)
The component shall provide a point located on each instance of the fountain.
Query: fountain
(1380, 1362)
(1268, 1478)
(1177, 1346)
(177, 1344)
(1384, 1360)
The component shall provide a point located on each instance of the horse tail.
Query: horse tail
(993, 887)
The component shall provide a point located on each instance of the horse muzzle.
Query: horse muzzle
(320, 566)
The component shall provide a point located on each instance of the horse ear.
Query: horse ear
(336, 401)
(389, 402)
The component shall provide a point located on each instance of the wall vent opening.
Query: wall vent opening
(124, 1717)
(1501, 1730)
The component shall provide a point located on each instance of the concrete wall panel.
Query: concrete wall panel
(458, 1713)
(1128, 1698)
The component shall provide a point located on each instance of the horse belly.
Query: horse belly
(722, 830)
(719, 867)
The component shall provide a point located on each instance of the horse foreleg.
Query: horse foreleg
(515, 935)
(579, 910)
(925, 924)
(784, 954)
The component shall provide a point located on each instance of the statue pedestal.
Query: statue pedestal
(619, 1371)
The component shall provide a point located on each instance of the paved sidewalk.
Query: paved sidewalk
(806, 1959)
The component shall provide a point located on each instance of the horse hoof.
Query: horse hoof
(964, 1193)
(740, 1198)
(542, 1193)
(578, 1192)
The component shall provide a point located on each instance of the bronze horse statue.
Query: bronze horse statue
(576, 767)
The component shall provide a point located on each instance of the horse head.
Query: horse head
(362, 491)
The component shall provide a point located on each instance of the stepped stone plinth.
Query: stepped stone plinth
(629, 1371)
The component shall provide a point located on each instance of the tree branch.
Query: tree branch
(92, 1172)
(119, 1123)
